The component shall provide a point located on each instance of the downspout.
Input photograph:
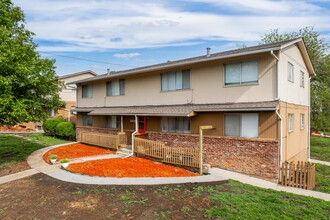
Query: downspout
(133, 136)
(309, 120)
(277, 84)
(281, 134)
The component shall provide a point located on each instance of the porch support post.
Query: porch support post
(201, 128)
(121, 124)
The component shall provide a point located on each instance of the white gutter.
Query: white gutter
(281, 134)
(277, 84)
(133, 136)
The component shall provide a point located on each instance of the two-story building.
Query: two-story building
(257, 98)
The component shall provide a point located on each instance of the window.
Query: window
(113, 121)
(241, 73)
(290, 122)
(242, 125)
(302, 79)
(302, 121)
(175, 80)
(290, 72)
(116, 87)
(176, 124)
(86, 91)
(86, 120)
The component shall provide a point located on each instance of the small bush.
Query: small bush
(66, 130)
(50, 124)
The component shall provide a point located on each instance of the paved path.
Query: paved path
(19, 175)
(268, 185)
(321, 162)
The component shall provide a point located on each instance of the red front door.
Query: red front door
(142, 124)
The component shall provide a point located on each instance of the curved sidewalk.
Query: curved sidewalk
(36, 162)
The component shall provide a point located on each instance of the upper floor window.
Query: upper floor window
(242, 125)
(241, 73)
(86, 91)
(302, 79)
(176, 124)
(116, 87)
(290, 72)
(175, 80)
(86, 119)
(113, 121)
(290, 122)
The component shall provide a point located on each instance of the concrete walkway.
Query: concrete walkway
(19, 175)
(266, 184)
(320, 162)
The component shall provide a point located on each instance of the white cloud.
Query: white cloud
(102, 25)
(126, 55)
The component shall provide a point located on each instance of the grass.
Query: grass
(320, 148)
(14, 149)
(44, 139)
(249, 202)
(322, 178)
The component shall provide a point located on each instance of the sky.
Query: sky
(108, 34)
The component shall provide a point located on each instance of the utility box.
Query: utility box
(206, 168)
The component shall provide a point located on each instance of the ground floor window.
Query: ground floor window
(113, 121)
(290, 122)
(302, 121)
(176, 124)
(241, 125)
(86, 119)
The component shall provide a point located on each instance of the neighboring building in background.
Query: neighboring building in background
(69, 94)
(257, 98)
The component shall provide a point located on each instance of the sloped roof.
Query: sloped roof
(77, 74)
(180, 110)
(215, 56)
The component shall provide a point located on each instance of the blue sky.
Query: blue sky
(131, 33)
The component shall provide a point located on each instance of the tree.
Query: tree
(320, 84)
(28, 84)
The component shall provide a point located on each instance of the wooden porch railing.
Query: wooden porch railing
(179, 156)
(103, 140)
(300, 175)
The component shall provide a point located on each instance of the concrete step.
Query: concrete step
(123, 151)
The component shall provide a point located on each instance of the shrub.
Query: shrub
(66, 130)
(65, 160)
(53, 156)
(50, 124)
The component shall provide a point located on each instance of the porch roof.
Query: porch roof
(188, 110)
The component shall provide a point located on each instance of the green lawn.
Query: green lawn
(248, 202)
(44, 139)
(320, 148)
(14, 149)
(322, 178)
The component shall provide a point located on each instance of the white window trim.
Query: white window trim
(302, 121)
(289, 127)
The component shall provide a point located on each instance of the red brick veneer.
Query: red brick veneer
(251, 156)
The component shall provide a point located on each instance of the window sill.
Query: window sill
(178, 90)
(114, 95)
(240, 85)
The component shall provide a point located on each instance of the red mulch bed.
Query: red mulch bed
(128, 167)
(15, 128)
(75, 151)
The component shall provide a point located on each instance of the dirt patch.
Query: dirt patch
(42, 197)
(14, 168)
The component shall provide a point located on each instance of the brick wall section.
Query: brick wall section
(251, 156)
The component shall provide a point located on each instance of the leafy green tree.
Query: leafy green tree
(28, 84)
(320, 84)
